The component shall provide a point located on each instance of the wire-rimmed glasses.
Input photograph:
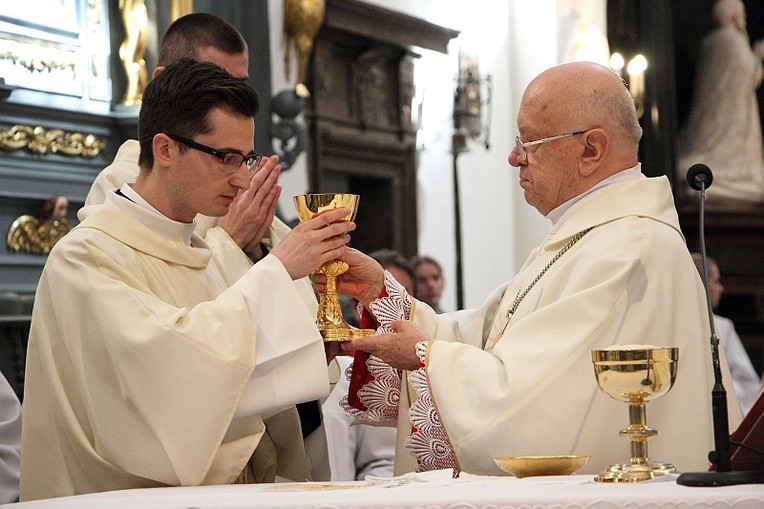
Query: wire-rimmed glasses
(521, 146)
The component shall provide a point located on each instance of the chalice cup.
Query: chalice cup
(329, 319)
(636, 375)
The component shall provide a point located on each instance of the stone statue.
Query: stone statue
(723, 129)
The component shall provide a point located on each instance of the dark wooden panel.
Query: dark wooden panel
(359, 116)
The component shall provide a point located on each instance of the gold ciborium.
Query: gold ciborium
(329, 318)
(636, 374)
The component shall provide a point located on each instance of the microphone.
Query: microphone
(700, 177)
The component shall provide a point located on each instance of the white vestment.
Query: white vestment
(145, 368)
(10, 442)
(745, 380)
(523, 384)
(723, 129)
(355, 451)
(232, 263)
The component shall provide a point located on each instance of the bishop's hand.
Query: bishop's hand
(397, 348)
(363, 280)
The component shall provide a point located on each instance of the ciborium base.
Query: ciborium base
(635, 473)
(348, 333)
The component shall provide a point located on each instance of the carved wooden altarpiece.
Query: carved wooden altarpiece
(362, 141)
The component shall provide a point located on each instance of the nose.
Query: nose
(514, 158)
(241, 177)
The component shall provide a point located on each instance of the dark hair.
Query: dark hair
(178, 100)
(419, 260)
(49, 206)
(198, 30)
(390, 258)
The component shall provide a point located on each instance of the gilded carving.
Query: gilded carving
(36, 64)
(30, 235)
(55, 141)
(131, 51)
(302, 20)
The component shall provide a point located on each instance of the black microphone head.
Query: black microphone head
(699, 174)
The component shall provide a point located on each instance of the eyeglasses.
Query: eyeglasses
(231, 161)
(521, 146)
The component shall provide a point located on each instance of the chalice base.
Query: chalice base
(630, 472)
(346, 333)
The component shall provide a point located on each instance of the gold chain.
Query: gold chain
(522, 293)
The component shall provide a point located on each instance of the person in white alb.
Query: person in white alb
(745, 380)
(145, 368)
(10, 442)
(514, 376)
(250, 228)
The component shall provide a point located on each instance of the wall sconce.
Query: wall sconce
(472, 100)
(635, 70)
(472, 119)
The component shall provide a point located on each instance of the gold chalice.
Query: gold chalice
(636, 374)
(329, 318)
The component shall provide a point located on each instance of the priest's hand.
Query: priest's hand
(252, 211)
(363, 281)
(397, 348)
(314, 242)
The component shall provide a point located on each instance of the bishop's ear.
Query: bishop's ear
(596, 143)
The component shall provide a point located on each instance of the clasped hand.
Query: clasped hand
(251, 212)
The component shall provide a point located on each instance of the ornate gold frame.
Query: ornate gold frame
(40, 141)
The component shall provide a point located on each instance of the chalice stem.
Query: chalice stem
(330, 311)
(638, 433)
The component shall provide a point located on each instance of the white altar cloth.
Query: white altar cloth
(434, 490)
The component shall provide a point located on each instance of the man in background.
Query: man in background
(430, 281)
(10, 442)
(746, 382)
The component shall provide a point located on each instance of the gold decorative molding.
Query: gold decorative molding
(180, 8)
(135, 19)
(55, 141)
(28, 235)
(302, 20)
(38, 65)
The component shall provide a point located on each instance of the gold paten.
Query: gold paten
(329, 318)
(636, 375)
(529, 466)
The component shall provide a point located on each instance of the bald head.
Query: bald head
(579, 126)
(582, 95)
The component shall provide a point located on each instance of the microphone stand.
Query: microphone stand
(720, 456)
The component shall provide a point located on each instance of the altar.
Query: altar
(432, 490)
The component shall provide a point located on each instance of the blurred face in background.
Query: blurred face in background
(715, 286)
(430, 283)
